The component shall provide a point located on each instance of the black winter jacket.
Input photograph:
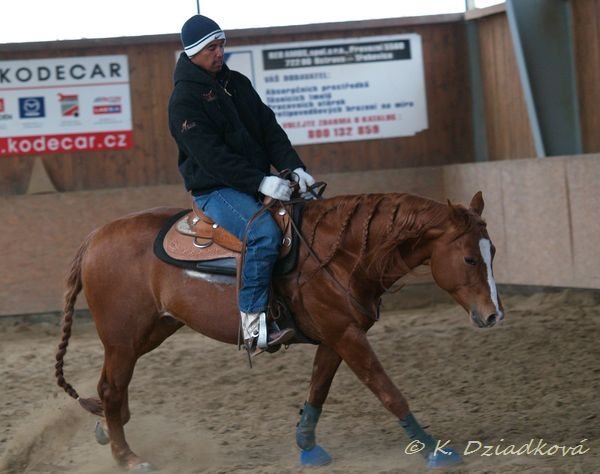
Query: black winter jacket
(227, 137)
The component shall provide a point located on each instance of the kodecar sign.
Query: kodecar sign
(59, 72)
(64, 104)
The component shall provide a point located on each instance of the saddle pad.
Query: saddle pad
(181, 254)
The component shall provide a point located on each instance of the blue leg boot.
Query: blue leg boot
(311, 454)
(436, 456)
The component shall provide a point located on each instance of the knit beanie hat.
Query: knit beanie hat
(197, 32)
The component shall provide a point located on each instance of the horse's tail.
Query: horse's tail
(74, 285)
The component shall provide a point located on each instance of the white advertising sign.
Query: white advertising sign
(64, 105)
(340, 89)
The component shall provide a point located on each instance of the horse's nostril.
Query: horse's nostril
(491, 320)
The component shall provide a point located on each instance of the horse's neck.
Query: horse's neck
(401, 223)
(363, 230)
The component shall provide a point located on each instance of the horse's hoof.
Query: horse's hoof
(316, 456)
(442, 459)
(142, 467)
(101, 434)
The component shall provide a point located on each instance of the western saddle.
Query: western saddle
(196, 237)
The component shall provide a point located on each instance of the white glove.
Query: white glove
(304, 180)
(275, 187)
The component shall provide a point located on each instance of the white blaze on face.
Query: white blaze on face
(485, 247)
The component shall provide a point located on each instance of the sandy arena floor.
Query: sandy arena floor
(197, 408)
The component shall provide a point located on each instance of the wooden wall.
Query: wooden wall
(586, 31)
(448, 139)
(543, 217)
(153, 159)
(507, 123)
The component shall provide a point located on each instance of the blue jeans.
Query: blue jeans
(232, 210)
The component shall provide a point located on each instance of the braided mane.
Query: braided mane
(374, 226)
(409, 219)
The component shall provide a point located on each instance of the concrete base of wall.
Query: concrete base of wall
(543, 216)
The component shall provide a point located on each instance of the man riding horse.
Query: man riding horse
(228, 139)
(354, 248)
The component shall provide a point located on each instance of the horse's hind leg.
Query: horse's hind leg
(164, 328)
(101, 430)
(325, 366)
(119, 363)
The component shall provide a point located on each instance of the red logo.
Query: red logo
(107, 109)
(107, 105)
(69, 104)
(1, 105)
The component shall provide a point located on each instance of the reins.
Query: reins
(328, 272)
(316, 190)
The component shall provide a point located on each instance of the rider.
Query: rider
(228, 139)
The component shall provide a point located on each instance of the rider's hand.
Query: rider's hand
(304, 179)
(275, 187)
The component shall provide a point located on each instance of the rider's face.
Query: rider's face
(210, 58)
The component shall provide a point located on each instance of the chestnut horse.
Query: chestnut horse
(353, 249)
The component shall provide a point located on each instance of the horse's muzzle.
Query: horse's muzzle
(487, 322)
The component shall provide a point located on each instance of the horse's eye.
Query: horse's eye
(471, 261)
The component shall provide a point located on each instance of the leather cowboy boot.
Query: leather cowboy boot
(279, 336)
(258, 337)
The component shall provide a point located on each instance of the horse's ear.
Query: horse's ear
(455, 212)
(477, 203)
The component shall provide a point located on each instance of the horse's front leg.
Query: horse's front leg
(325, 366)
(355, 350)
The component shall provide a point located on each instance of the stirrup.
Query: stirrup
(262, 341)
(251, 347)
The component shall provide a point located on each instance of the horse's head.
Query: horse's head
(461, 263)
